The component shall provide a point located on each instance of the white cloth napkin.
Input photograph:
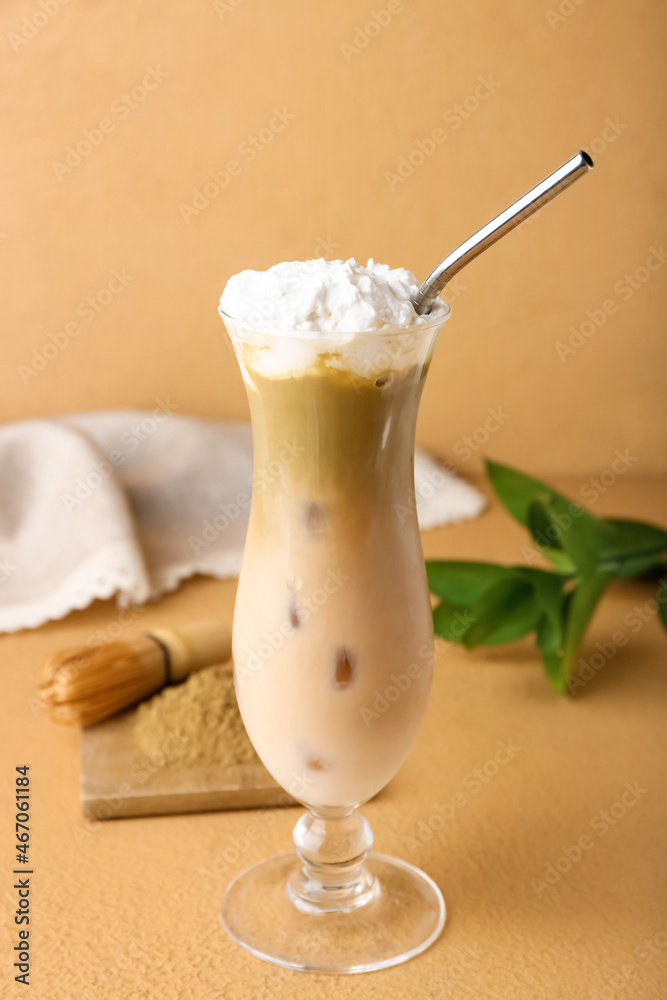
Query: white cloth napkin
(132, 502)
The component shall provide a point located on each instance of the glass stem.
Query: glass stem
(333, 845)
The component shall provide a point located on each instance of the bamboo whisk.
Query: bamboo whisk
(85, 684)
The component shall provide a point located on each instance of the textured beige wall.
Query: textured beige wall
(532, 86)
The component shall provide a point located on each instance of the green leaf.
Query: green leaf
(483, 603)
(558, 523)
(562, 523)
(462, 583)
(541, 526)
(552, 659)
(506, 611)
(550, 636)
(450, 622)
(631, 565)
(661, 598)
(632, 548)
(514, 489)
(550, 594)
(637, 536)
(549, 590)
(546, 539)
(580, 605)
(559, 559)
(580, 534)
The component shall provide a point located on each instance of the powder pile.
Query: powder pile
(196, 723)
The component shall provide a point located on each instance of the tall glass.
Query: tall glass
(333, 639)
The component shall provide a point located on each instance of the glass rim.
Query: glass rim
(422, 326)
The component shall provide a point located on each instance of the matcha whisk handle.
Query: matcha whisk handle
(85, 684)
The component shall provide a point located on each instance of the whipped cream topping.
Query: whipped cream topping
(324, 297)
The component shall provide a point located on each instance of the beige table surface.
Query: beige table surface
(129, 908)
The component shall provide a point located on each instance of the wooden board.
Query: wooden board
(118, 779)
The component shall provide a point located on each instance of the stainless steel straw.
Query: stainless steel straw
(531, 202)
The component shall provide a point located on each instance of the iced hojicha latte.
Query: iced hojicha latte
(333, 640)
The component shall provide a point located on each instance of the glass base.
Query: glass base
(400, 913)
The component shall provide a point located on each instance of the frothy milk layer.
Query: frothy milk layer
(331, 309)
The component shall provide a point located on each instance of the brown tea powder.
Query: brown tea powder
(196, 723)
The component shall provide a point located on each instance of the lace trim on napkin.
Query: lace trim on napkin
(115, 569)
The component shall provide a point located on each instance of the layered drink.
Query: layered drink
(333, 637)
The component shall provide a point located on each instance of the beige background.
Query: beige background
(320, 187)
(128, 909)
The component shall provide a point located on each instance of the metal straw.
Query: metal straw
(536, 198)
